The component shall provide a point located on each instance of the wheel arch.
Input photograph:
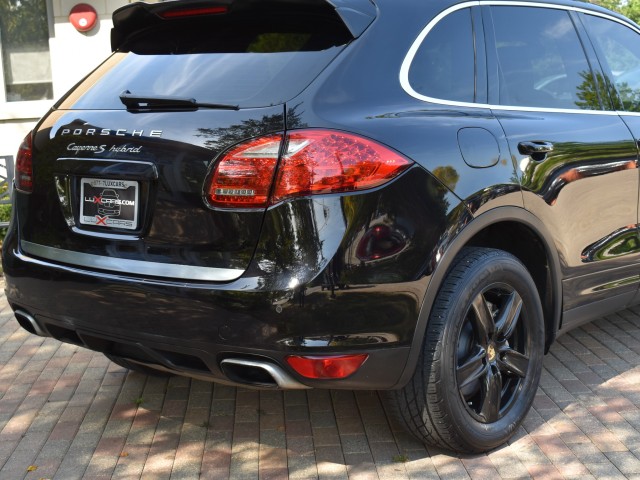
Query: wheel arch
(494, 229)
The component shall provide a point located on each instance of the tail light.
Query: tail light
(24, 165)
(243, 178)
(315, 162)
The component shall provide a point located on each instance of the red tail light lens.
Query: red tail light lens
(322, 161)
(326, 367)
(315, 162)
(24, 165)
(243, 178)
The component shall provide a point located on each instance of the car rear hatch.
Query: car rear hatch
(120, 165)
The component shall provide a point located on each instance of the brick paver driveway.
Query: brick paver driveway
(69, 413)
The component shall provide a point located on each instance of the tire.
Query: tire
(136, 367)
(481, 359)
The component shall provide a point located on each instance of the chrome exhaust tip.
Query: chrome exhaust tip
(257, 373)
(30, 324)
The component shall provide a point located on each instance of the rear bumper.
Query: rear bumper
(329, 275)
(206, 331)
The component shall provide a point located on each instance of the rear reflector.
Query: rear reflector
(193, 12)
(24, 165)
(326, 367)
(315, 162)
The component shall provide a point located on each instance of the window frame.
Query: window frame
(25, 109)
(491, 61)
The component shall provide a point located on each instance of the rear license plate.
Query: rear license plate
(109, 203)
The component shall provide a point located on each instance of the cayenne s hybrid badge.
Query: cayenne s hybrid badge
(72, 147)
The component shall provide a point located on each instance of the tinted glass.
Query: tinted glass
(249, 65)
(541, 60)
(444, 64)
(619, 50)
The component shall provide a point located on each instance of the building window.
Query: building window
(24, 50)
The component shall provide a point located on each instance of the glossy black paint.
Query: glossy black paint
(176, 226)
(311, 282)
(589, 166)
(283, 303)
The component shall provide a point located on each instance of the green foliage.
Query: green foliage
(5, 212)
(589, 92)
(21, 22)
(278, 42)
(629, 8)
(5, 216)
(447, 175)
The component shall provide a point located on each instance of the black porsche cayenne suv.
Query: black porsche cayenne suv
(412, 197)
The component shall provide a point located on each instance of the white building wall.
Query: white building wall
(73, 55)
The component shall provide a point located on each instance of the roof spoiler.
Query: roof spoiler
(357, 15)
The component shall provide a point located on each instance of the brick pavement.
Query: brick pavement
(67, 413)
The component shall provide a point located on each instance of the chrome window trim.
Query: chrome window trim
(409, 57)
(127, 266)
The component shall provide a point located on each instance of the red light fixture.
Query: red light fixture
(326, 367)
(193, 12)
(243, 178)
(315, 162)
(24, 165)
(324, 161)
(83, 17)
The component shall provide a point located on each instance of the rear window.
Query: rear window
(222, 59)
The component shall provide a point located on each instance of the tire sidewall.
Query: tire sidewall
(492, 269)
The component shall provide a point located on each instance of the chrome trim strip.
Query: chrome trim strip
(135, 267)
(107, 160)
(408, 59)
(283, 379)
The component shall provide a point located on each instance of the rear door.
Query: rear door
(617, 44)
(122, 162)
(576, 157)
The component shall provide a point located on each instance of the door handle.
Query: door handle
(537, 150)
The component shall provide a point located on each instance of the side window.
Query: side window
(541, 61)
(443, 66)
(618, 48)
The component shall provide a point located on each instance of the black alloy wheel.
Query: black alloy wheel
(482, 356)
(493, 353)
